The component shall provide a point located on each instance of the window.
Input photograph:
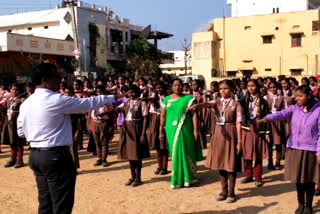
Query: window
(46, 27)
(267, 39)
(273, 10)
(231, 73)
(296, 72)
(247, 72)
(315, 26)
(247, 27)
(296, 40)
(268, 69)
(277, 9)
(29, 28)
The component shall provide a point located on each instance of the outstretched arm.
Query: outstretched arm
(285, 114)
(202, 105)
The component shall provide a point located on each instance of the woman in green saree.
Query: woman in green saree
(180, 126)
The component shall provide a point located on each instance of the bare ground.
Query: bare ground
(102, 190)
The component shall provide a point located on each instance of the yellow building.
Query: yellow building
(264, 45)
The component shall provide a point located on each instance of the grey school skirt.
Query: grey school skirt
(301, 166)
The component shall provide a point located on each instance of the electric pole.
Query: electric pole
(72, 4)
(186, 49)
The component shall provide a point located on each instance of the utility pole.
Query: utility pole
(72, 4)
(186, 49)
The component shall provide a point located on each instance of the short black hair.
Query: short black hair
(102, 88)
(136, 90)
(70, 89)
(43, 72)
(31, 85)
(124, 89)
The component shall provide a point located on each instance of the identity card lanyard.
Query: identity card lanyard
(222, 116)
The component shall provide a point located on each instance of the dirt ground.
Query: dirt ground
(102, 190)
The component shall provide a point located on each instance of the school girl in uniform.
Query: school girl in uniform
(288, 97)
(133, 140)
(211, 96)
(223, 154)
(79, 93)
(255, 136)
(153, 130)
(197, 93)
(102, 128)
(303, 150)
(275, 103)
(75, 123)
(16, 143)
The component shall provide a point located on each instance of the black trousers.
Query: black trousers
(56, 178)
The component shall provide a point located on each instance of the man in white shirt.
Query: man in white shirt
(44, 120)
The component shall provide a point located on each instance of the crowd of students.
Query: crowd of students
(246, 120)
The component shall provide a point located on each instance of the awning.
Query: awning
(297, 32)
(246, 68)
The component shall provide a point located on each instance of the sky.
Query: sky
(178, 17)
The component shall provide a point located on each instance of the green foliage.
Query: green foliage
(109, 71)
(142, 57)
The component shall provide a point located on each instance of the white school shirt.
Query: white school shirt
(44, 118)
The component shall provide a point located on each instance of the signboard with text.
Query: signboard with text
(33, 44)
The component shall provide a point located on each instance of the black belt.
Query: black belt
(56, 148)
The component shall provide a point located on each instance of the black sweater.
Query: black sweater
(263, 111)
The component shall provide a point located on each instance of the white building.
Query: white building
(178, 66)
(259, 7)
(109, 34)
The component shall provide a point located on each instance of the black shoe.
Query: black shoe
(307, 210)
(258, 183)
(317, 192)
(10, 164)
(158, 170)
(98, 163)
(221, 197)
(247, 180)
(278, 167)
(163, 172)
(271, 167)
(129, 182)
(300, 209)
(19, 164)
(104, 163)
(136, 183)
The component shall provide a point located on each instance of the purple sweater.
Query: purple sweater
(305, 127)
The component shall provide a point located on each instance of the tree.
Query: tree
(142, 58)
(110, 70)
